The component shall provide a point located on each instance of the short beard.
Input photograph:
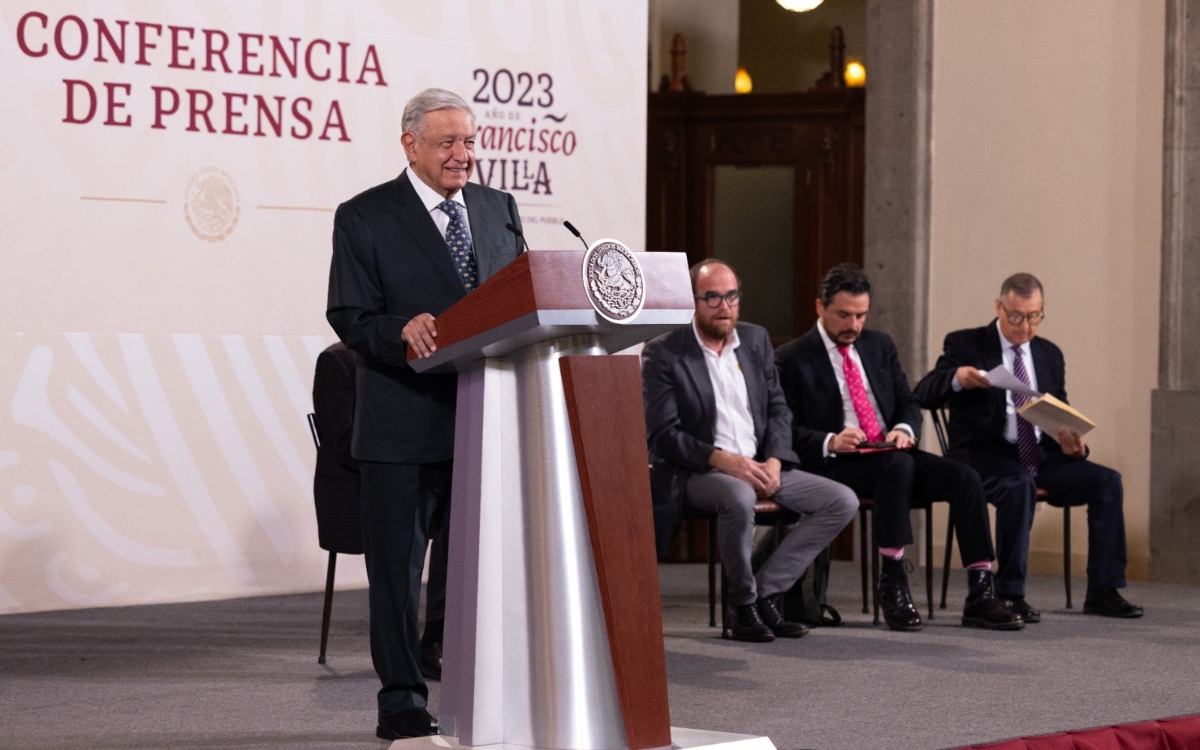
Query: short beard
(710, 330)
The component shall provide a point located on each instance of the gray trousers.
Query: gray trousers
(828, 505)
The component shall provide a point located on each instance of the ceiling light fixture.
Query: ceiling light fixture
(799, 6)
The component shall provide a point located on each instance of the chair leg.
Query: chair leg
(875, 577)
(328, 605)
(712, 572)
(724, 602)
(949, 549)
(862, 552)
(929, 558)
(1067, 551)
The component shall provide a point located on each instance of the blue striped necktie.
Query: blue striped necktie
(1027, 444)
(459, 243)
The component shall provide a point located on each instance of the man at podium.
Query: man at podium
(403, 252)
(720, 435)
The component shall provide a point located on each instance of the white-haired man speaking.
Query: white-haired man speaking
(404, 252)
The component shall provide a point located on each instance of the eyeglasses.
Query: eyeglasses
(714, 300)
(1016, 318)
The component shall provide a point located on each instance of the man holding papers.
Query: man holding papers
(1014, 456)
(845, 387)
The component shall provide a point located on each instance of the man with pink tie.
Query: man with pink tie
(845, 387)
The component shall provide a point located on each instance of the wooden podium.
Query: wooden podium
(553, 633)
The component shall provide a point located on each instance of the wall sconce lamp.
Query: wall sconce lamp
(741, 82)
(856, 75)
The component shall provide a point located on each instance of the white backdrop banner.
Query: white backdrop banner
(169, 175)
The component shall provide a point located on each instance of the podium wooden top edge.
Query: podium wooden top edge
(548, 285)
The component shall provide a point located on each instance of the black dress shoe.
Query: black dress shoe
(748, 626)
(431, 661)
(983, 609)
(1018, 605)
(768, 610)
(1110, 603)
(413, 722)
(895, 600)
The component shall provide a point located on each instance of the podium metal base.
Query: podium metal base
(681, 739)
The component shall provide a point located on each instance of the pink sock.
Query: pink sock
(981, 565)
(892, 553)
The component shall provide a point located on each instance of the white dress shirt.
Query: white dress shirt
(849, 416)
(1010, 410)
(431, 198)
(734, 428)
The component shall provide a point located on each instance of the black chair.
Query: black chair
(338, 525)
(940, 420)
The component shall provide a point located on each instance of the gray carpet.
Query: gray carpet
(243, 673)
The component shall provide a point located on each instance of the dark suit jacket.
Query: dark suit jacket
(811, 388)
(389, 265)
(681, 414)
(978, 416)
(336, 481)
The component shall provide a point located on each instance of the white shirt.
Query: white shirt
(1008, 358)
(734, 428)
(849, 416)
(1010, 411)
(431, 198)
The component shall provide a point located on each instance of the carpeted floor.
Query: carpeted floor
(243, 673)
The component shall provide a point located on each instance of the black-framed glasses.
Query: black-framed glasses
(714, 299)
(1017, 318)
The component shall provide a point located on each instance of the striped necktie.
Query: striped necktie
(1027, 444)
(459, 243)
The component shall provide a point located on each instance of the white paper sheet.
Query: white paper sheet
(1002, 378)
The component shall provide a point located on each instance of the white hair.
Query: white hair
(430, 100)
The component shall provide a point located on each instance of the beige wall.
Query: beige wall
(1047, 158)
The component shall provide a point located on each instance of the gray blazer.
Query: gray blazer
(681, 414)
(389, 265)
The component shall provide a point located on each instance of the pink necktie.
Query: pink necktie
(858, 397)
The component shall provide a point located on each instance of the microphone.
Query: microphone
(519, 234)
(571, 228)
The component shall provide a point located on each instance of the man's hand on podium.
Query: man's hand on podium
(419, 334)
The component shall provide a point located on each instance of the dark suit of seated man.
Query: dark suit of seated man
(845, 386)
(719, 434)
(1015, 458)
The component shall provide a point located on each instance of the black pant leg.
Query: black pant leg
(886, 478)
(1009, 487)
(1081, 482)
(435, 589)
(940, 479)
(399, 502)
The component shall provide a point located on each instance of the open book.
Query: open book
(1051, 415)
(1043, 410)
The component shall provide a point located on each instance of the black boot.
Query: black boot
(748, 626)
(768, 610)
(899, 612)
(983, 609)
